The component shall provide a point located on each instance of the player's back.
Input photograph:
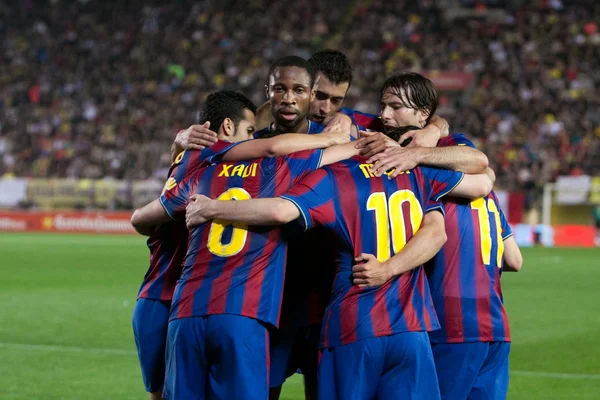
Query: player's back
(377, 216)
(464, 276)
(234, 268)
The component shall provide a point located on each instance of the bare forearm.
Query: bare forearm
(339, 152)
(513, 259)
(292, 142)
(145, 230)
(273, 211)
(455, 158)
(441, 124)
(278, 146)
(146, 219)
(422, 247)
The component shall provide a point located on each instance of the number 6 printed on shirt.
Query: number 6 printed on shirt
(217, 228)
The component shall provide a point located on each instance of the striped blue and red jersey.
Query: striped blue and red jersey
(359, 207)
(232, 268)
(168, 244)
(304, 297)
(363, 120)
(464, 276)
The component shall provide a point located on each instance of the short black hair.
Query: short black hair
(294, 61)
(395, 133)
(415, 90)
(333, 64)
(225, 104)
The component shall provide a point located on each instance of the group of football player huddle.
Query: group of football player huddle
(363, 251)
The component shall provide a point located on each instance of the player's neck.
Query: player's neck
(300, 127)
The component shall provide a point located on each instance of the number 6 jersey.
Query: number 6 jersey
(376, 216)
(233, 268)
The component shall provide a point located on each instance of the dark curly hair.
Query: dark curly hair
(225, 104)
(294, 61)
(333, 64)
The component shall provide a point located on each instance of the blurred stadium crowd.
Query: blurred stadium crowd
(93, 89)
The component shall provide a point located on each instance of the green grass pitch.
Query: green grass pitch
(66, 304)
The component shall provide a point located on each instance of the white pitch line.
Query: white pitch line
(66, 349)
(124, 352)
(558, 375)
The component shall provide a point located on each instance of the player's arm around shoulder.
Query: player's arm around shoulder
(474, 186)
(270, 211)
(513, 259)
(145, 220)
(283, 145)
(196, 137)
(370, 143)
(423, 246)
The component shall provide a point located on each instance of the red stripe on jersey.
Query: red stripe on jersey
(327, 209)
(283, 171)
(405, 294)
(426, 317)
(380, 318)
(421, 181)
(348, 198)
(200, 269)
(349, 316)
(256, 278)
(220, 287)
(451, 285)
(186, 302)
(498, 289)
(253, 291)
(364, 120)
(482, 287)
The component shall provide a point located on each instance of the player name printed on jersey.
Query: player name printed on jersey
(233, 268)
(242, 171)
(367, 171)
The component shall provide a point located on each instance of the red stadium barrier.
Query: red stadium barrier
(66, 221)
(574, 236)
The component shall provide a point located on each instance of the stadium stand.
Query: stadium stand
(92, 89)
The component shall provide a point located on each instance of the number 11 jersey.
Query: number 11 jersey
(233, 268)
(464, 276)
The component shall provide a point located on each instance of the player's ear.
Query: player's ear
(423, 115)
(313, 93)
(267, 91)
(228, 127)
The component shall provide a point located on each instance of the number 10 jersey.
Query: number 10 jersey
(374, 215)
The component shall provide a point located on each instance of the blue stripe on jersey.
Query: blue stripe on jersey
(467, 267)
(368, 312)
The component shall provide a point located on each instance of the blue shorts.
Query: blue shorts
(150, 322)
(294, 350)
(394, 367)
(472, 370)
(219, 356)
